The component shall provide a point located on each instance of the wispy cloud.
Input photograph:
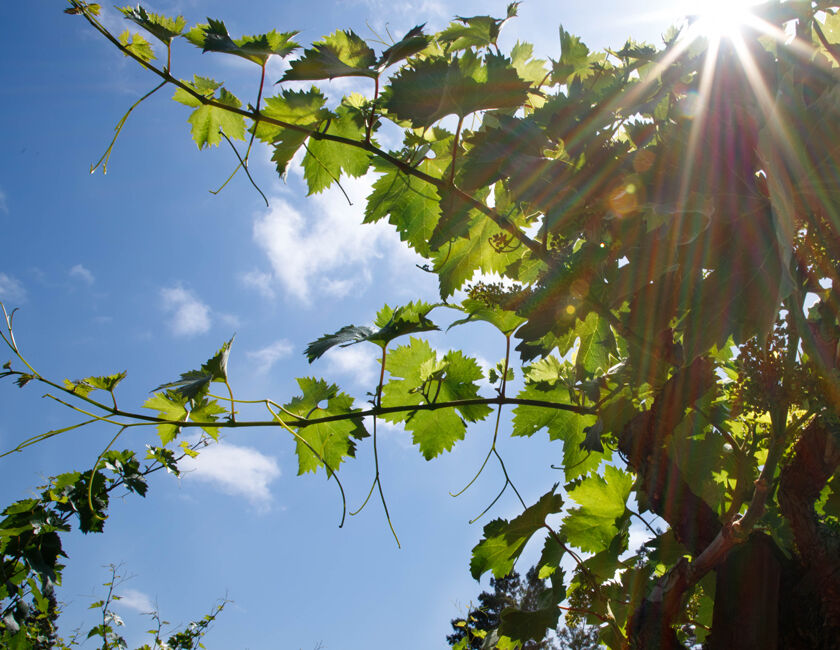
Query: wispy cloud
(82, 274)
(236, 470)
(188, 315)
(328, 252)
(259, 281)
(136, 600)
(4, 205)
(266, 357)
(11, 289)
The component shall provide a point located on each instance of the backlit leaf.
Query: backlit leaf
(503, 541)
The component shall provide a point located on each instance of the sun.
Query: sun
(720, 19)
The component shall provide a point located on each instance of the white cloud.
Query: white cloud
(82, 273)
(4, 205)
(11, 289)
(266, 357)
(237, 470)
(188, 314)
(359, 362)
(259, 281)
(329, 251)
(136, 600)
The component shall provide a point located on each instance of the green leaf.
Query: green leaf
(504, 320)
(304, 108)
(421, 378)
(475, 31)
(528, 69)
(411, 205)
(341, 54)
(347, 335)
(409, 319)
(207, 411)
(195, 383)
(497, 152)
(208, 122)
(214, 37)
(413, 42)
(137, 45)
(329, 442)
(326, 160)
(430, 89)
(575, 61)
(85, 386)
(170, 405)
(161, 27)
(592, 527)
(457, 263)
(503, 541)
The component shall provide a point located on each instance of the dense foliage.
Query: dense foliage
(665, 222)
(512, 591)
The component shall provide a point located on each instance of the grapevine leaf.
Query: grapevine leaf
(413, 42)
(325, 160)
(137, 45)
(435, 431)
(456, 264)
(475, 31)
(333, 441)
(214, 37)
(412, 205)
(194, 383)
(161, 27)
(84, 386)
(529, 69)
(304, 108)
(503, 541)
(575, 61)
(207, 411)
(602, 499)
(170, 405)
(341, 54)
(419, 377)
(502, 319)
(428, 90)
(392, 323)
(208, 122)
(496, 152)
(347, 335)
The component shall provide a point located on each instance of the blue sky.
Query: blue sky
(143, 269)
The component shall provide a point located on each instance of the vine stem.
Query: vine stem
(406, 168)
(377, 479)
(502, 389)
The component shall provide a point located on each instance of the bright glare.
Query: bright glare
(717, 19)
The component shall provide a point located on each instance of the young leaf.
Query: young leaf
(170, 406)
(603, 500)
(161, 27)
(411, 205)
(413, 42)
(137, 45)
(194, 383)
(325, 160)
(392, 323)
(341, 54)
(430, 89)
(209, 122)
(333, 441)
(503, 541)
(214, 37)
